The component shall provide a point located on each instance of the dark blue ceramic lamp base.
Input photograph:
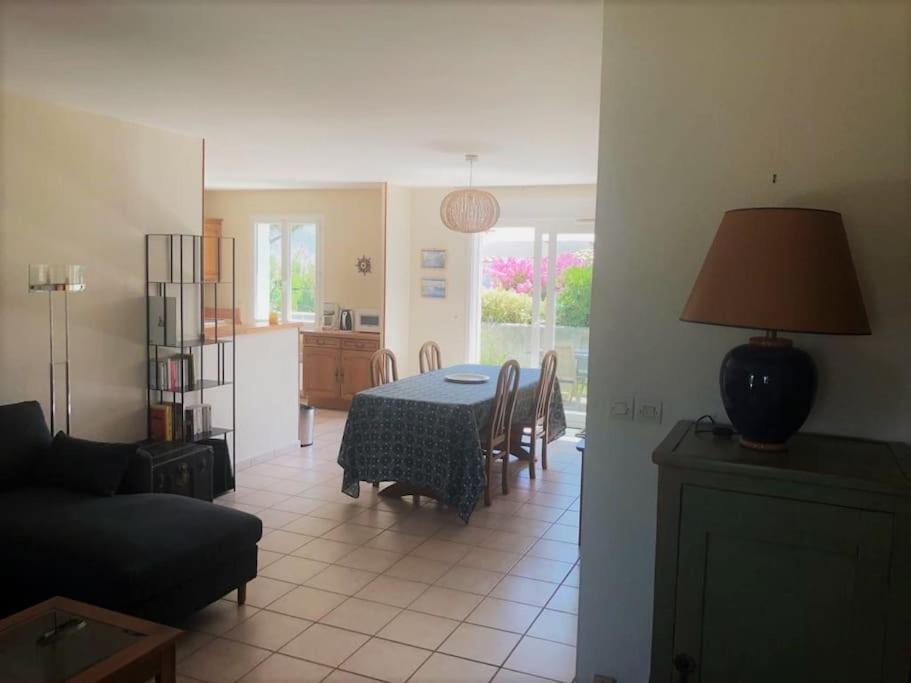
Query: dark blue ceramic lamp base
(768, 387)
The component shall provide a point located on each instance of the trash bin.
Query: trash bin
(306, 424)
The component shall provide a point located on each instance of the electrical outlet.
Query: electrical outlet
(649, 410)
(622, 408)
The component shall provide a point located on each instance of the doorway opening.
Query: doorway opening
(533, 294)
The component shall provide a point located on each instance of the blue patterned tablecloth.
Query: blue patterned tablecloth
(426, 431)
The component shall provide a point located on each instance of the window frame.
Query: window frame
(286, 221)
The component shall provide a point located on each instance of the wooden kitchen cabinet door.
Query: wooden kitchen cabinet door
(321, 373)
(355, 372)
(211, 231)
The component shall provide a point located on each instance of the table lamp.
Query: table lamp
(778, 270)
(56, 279)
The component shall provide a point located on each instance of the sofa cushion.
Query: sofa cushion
(26, 440)
(115, 551)
(86, 466)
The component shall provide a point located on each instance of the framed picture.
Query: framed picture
(433, 288)
(433, 258)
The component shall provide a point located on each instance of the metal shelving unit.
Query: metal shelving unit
(174, 269)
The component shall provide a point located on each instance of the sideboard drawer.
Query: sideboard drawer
(319, 340)
(360, 344)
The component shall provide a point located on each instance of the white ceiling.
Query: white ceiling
(296, 94)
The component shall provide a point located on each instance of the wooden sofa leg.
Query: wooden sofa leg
(242, 594)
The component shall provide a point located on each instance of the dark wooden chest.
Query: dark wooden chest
(176, 467)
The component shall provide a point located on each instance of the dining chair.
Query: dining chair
(495, 442)
(429, 357)
(540, 425)
(383, 368)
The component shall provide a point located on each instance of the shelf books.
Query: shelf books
(168, 424)
(161, 417)
(197, 420)
(173, 373)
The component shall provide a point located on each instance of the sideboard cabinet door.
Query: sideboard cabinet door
(772, 589)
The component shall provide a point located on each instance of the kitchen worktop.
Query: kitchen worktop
(344, 334)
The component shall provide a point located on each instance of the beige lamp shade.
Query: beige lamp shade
(779, 269)
(469, 210)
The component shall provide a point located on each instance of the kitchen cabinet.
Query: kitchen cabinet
(211, 231)
(786, 567)
(335, 366)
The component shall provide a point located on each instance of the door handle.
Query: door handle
(684, 665)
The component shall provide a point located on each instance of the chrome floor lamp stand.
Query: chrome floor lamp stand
(51, 279)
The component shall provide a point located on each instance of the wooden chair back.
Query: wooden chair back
(504, 403)
(429, 357)
(545, 392)
(383, 368)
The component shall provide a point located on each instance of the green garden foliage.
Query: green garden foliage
(574, 300)
(505, 306)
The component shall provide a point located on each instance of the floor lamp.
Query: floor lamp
(51, 279)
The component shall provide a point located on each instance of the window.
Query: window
(286, 269)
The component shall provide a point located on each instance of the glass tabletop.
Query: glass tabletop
(57, 645)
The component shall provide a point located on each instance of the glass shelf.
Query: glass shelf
(188, 283)
(193, 343)
(215, 431)
(196, 386)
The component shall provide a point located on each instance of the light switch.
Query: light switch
(648, 410)
(622, 408)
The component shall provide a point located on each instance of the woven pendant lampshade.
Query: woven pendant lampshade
(469, 210)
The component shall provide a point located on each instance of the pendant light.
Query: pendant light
(469, 210)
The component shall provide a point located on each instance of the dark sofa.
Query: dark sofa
(156, 556)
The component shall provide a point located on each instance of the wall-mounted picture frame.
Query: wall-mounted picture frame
(433, 288)
(433, 258)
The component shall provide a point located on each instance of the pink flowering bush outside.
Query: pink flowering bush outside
(516, 274)
(508, 283)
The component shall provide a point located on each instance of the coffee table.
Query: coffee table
(65, 640)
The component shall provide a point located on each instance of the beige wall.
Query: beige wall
(702, 102)
(82, 188)
(447, 320)
(442, 320)
(352, 226)
(398, 273)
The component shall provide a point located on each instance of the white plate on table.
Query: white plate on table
(467, 378)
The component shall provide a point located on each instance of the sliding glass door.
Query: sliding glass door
(535, 294)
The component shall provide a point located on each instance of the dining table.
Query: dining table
(424, 433)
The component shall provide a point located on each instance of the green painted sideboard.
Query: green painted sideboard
(785, 567)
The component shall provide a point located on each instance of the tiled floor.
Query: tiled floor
(371, 588)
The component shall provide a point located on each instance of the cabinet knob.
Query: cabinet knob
(684, 665)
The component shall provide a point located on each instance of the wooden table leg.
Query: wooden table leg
(404, 488)
(168, 673)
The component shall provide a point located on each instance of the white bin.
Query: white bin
(306, 425)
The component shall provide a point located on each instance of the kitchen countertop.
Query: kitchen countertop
(347, 334)
(224, 329)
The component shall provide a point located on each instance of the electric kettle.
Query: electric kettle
(346, 319)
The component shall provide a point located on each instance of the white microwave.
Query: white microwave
(367, 320)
